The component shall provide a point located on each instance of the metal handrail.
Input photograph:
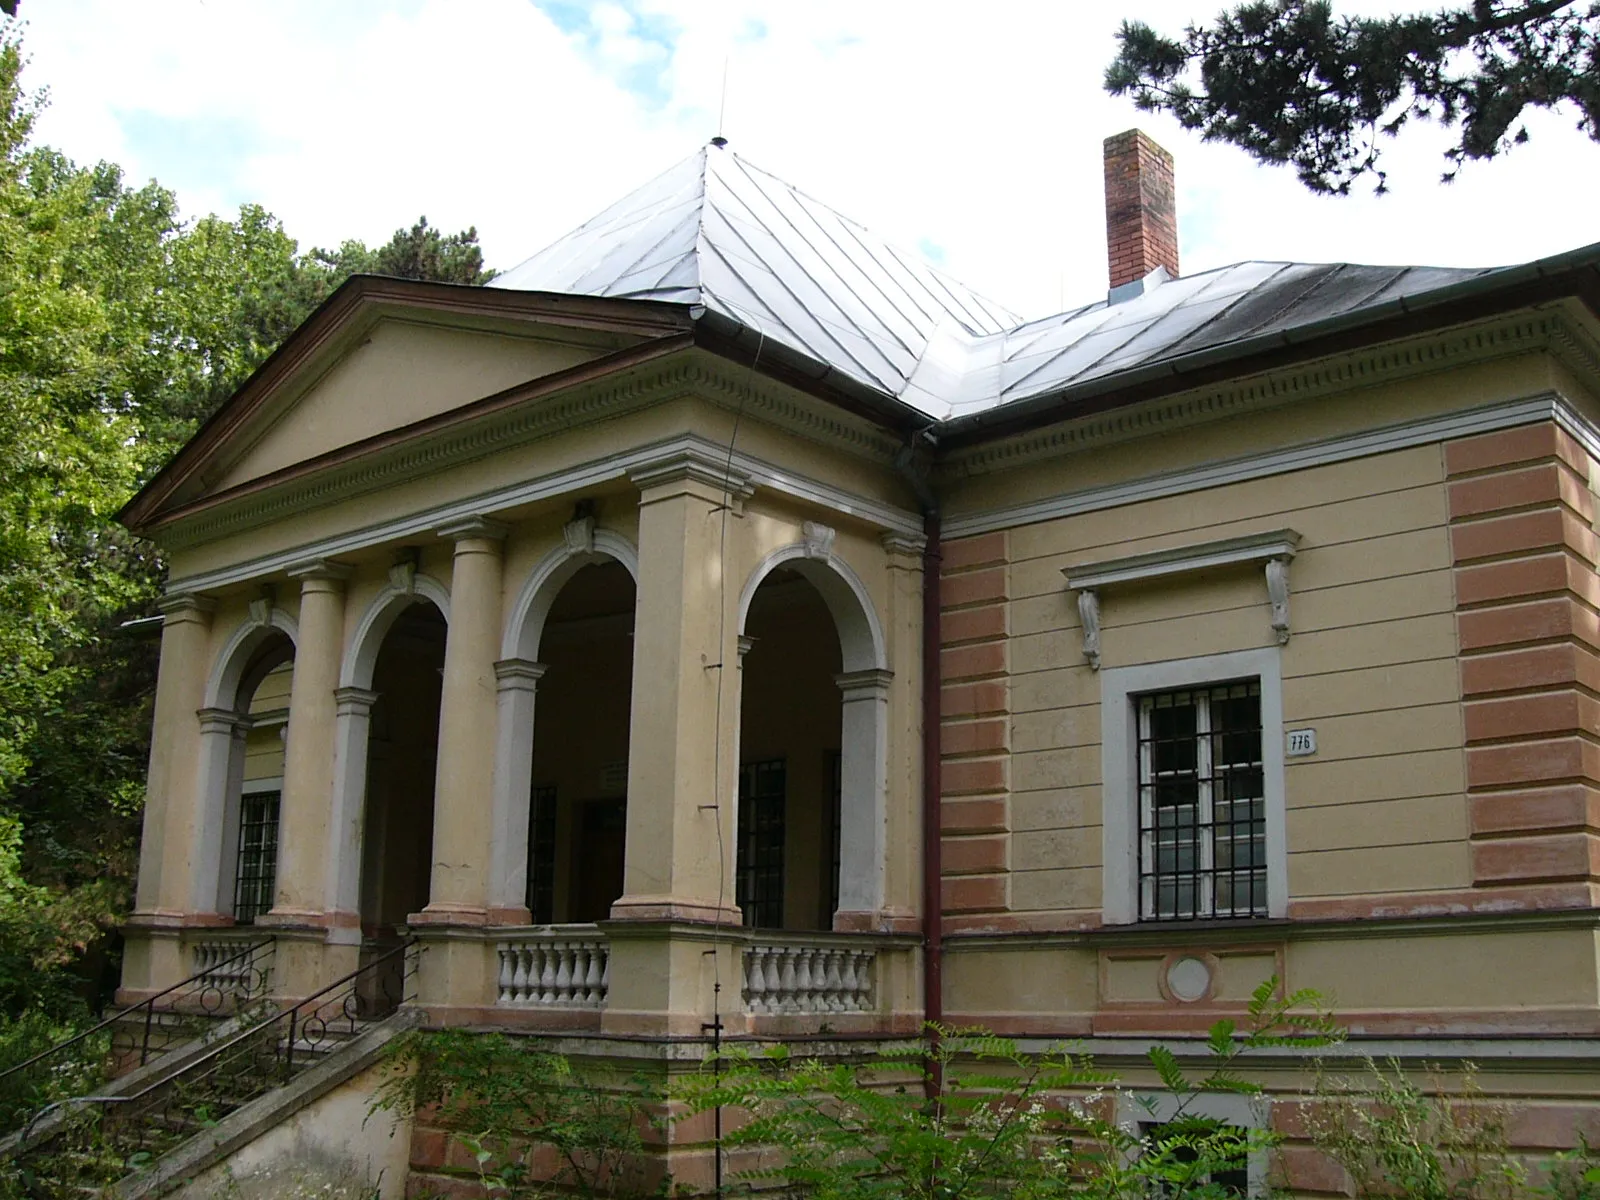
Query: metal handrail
(195, 1067)
(148, 1004)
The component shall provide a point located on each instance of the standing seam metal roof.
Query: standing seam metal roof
(715, 231)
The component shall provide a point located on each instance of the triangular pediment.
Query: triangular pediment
(402, 372)
(384, 360)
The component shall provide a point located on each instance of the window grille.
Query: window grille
(835, 833)
(762, 790)
(1230, 1180)
(255, 879)
(542, 856)
(1202, 814)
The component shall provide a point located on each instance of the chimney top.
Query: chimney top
(1141, 213)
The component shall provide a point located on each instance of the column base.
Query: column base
(510, 916)
(449, 914)
(293, 918)
(676, 909)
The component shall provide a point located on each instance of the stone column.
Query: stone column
(863, 816)
(308, 748)
(682, 773)
(347, 815)
(464, 785)
(162, 894)
(517, 682)
(674, 931)
(219, 777)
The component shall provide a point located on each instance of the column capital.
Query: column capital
(311, 569)
(861, 684)
(223, 720)
(906, 545)
(693, 464)
(744, 643)
(185, 606)
(475, 528)
(354, 701)
(519, 674)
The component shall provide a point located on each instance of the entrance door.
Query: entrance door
(597, 875)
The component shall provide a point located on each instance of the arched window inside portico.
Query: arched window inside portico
(240, 770)
(561, 775)
(813, 739)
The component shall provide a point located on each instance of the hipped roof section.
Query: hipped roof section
(760, 272)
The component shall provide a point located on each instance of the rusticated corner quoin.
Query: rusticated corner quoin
(1522, 535)
(974, 662)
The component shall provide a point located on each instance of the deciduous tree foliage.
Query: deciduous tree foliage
(121, 328)
(1293, 83)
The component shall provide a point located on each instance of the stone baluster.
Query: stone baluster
(563, 956)
(507, 973)
(755, 983)
(547, 975)
(805, 996)
(591, 980)
(834, 994)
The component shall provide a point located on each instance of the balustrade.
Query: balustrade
(792, 978)
(555, 970)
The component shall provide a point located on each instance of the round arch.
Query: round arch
(864, 733)
(234, 659)
(525, 625)
(361, 657)
(861, 641)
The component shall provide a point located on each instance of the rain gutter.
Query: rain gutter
(1573, 273)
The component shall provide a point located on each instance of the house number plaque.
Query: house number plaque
(1301, 743)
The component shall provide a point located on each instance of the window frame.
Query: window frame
(1147, 1111)
(1120, 689)
(247, 789)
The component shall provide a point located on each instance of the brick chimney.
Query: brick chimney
(1141, 216)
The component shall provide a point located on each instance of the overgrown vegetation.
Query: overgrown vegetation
(123, 324)
(1001, 1121)
(531, 1123)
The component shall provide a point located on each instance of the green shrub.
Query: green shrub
(503, 1098)
(1001, 1122)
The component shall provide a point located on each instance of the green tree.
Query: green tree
(122, 327)
(421, 252)
(1293, 84)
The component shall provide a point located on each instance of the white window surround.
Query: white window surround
(1274, 549)
(1119, 740)
(1139, 1109)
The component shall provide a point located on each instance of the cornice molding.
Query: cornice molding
(1546, 406)
(578, 478)
(695, 375)
(1388, 363)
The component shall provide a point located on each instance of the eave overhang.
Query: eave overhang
(1574, 274)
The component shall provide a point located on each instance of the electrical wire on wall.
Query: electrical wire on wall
(714, 1027)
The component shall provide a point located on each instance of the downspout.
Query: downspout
(932, 849)
(916, 474)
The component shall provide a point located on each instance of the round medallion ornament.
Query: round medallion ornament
(1188, 979)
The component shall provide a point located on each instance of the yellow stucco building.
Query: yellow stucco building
(723, 615)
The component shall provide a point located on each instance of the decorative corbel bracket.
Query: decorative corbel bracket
(819, 539)
(579, 535)
(1089, 616)
(1272, 550)
(261, 606)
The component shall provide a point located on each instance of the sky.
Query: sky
(969, 132)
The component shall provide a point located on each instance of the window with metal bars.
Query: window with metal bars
(542, 855)
(1202, 811)
(1231, 1180)
(255, 879)
(759, 886)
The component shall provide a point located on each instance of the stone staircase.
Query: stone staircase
(177, 1116)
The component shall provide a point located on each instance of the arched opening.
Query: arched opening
(402, 745)
(577, 805)
(789, 840)
(242, 731)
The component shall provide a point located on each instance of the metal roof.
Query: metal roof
(716, 232)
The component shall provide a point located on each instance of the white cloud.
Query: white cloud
(976, 127)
